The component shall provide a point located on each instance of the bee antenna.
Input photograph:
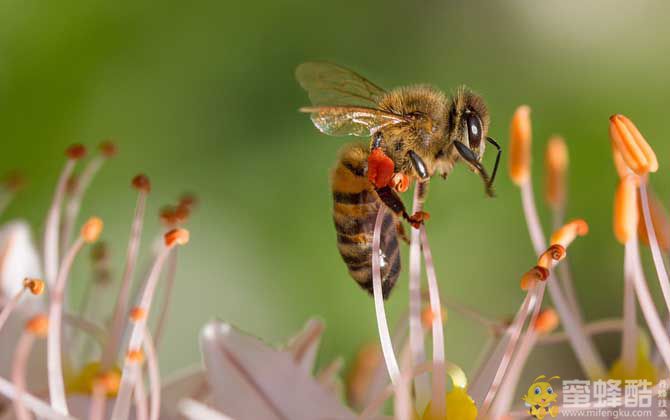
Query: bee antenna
(495, 166)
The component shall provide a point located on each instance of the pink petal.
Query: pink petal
(18, 259)
(252, 381)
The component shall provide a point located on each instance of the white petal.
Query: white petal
(305, 345)
(252, 381)
(194, 410)
(18, 258)
(191, 383)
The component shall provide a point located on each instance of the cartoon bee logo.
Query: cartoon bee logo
(540, 398)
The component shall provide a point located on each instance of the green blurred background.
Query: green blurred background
(201, 96)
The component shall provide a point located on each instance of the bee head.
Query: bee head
(468, 121)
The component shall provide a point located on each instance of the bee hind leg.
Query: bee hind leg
(401, 232)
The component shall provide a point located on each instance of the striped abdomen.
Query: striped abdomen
(355, 206)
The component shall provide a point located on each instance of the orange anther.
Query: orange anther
(110, 381)
(141, 182)
(92, 229)
(188, 200)
(634, 149)
(520, 142)
(108, 148)
(555, 252)
(36, 286)
(135, 356)
(14, 181)
(566, 234)
(137, 314)
(76, 151)
(380, 168)
(177, 237)
(556, 165)
(533, 276)
(625, 209)
(547, 321)
(38, 325)
(428, 317)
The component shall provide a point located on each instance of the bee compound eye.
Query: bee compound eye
(474, 130)
(538, 391)
(550, 391)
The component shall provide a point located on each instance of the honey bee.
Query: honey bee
(415, 132)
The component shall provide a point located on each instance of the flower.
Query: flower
(75, 383)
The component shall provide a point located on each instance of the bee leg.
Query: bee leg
(401, 232)
(469, 156)
(391, 199)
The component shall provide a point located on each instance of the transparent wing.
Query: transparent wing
(351, 120)
(330, 84)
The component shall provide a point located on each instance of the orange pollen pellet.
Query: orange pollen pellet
(556, 165)
(38, 325)
(634, 149)
(547, 321)
(36, 286)
(625, 209)
(177, 237)
(566, 234)
(141, 183)
(92, 229)
(137, 314)
(533, 276)
(400, 182)
(76, 151)
(108, 148)
(520, 142)
(135, 356)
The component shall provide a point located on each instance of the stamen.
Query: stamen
(137, 314)
(154, 377)
(634, 149)
(128, 377)
(90, 232)
(629, 335)
(520, 142)
(546, 322)
(625, 210)
(10, 306)
(107, 150)
(531, 278)
(416, 333)
(653, 245)
(167, 296)
(648, 308)
(659, 219)
(142, 184)
(35, 327)
(36, 405)
(556, 166)
(52, 224)
(382, 326)
(107, 383)
(428, 317)
(438, 408)
(141, 410)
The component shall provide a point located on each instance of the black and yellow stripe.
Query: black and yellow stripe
(355, 206)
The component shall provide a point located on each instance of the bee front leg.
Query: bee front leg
(401, 232)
